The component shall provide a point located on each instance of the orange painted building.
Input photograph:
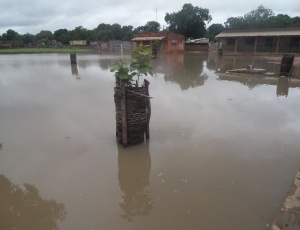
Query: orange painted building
(169, 41)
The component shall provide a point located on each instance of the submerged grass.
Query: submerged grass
(44, 50)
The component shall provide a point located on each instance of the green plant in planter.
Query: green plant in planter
(138, 65)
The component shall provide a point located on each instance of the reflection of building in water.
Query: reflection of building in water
(26, 209)
(134, 171)
(185, 69)
(283, 84)
(228, 63)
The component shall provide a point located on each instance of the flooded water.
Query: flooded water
(222, 154)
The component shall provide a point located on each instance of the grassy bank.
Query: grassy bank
(45, 50)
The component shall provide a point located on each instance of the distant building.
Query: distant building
(169, 41)
(112, 45)
(11, 42)
(260, 40)
(199, 44)
(78, 43)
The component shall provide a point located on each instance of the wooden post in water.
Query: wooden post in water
(123, 111)
(147, 83)
(73, 58)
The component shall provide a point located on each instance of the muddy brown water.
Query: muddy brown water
(222, 154)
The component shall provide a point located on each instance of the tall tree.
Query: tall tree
(129, 35)
(258, 17)
(261, 17)
(62, 35)
(126, 29)
(234, 22)
(279, 20)
(117, 31)
(152, 26)
(296, 20)
(44, 34)
(138, 29)
(79, 33)
(28, 38)
(189, 21)
(214, 30)
(11, 35)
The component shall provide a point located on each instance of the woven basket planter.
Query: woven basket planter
(133, 111)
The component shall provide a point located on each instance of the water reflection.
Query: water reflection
(134, 170)
(1, 146)
(222, 64)
(282, 84)
(185, 69)
(105, 64)
(26, 209)
(74, 71)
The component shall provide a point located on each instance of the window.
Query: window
(174, 42)
(249, 41)
(231, 41)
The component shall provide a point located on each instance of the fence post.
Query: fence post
(123, 111)
(73, 58)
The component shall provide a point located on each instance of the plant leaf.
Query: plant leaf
(114, 68)
(122, 75)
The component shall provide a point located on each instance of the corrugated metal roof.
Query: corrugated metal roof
(147, 38)
(199, 40)
(258, 33)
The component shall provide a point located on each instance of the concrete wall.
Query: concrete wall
(196, 47)
(212, 47)
(112, 45)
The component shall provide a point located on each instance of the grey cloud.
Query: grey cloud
(35, 15)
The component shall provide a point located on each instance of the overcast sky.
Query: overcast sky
(32, 16)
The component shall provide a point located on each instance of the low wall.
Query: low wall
(256, 54)
(196, 47)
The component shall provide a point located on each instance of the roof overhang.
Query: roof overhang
(258, 34)
(147, 38)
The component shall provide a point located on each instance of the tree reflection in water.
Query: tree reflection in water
(26, 209)
(134, 170)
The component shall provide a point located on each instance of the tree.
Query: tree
(22, 207)
(45, 41)
(278, 20)
(104, 26)
(12, 35)
(152, 26)
(44, 34)
(129, 35)
(105, 35)
(28, 38)
(259, 17)
(214, 30)
(189, 21)
(138, 29)
(79, 33)
(126, 29)
(296, 20)
(117, 31)
(234, 22)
